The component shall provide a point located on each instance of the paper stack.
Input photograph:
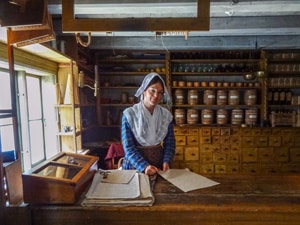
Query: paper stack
(119, 188)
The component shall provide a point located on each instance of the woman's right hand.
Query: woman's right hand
(151, 170)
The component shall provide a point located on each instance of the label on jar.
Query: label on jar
(237, 116)
(252, 116)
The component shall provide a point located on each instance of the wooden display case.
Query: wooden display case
(60, 180)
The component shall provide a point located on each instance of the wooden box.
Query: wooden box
(59, 180)
(283, 119)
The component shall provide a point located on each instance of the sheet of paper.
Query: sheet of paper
(146, 197)
(186, 180)
(103, 190)
(119, 176)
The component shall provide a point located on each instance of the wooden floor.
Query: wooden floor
(237, 200)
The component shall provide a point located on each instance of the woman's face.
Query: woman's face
(153, 94)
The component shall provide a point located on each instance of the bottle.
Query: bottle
(282, 97)
(275, 97)
(270, 96)
(288, 97)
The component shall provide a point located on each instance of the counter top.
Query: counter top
(246, 198)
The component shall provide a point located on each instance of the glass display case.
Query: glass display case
(59, 180)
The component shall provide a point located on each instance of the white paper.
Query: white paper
(103, 190)
(119, 176)
(186, 180)
(99, 196)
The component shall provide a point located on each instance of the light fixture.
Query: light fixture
(82, 84)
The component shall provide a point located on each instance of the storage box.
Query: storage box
(59, 180)
(283, 119)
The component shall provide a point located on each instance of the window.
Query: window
(37, 116)
(6, 122)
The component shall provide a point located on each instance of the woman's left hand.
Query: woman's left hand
(166, 166)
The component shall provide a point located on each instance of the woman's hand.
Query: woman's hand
(151, 170)
(166, 166)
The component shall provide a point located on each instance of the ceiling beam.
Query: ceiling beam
(225, 26)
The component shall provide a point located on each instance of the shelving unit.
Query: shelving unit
(76, 108)
(201, 75)
(283, 68)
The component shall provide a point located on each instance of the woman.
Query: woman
(147, 129)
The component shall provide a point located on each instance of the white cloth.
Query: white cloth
(148, 129)
(145, 83)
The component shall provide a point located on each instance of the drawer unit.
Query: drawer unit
(225, 140)
(249, 155)
(281, 154)
(191, 153)
(206, 158)
(215, 131)
(287, 140)
(205, 139)
(270, 168)
(251, 168)
(179, 153)
(206, 148)
(192, 140)
(225, 132)
(239, 150)
(295, 154)
(206, 132)
(220, 158)
(275, 141)
(207, 168)
(220, 169)
(261, 141)
(233, 168)
(235, 140)
(297, 140)
(216, 139)
(180, 140)
(233, 158)
(225, 148)
(266, 154)
(248, 141)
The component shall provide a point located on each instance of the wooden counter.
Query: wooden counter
(237, 200)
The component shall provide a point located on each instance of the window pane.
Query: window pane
(5, 103)
(34, 97)
(7, 137)
(36, 141)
